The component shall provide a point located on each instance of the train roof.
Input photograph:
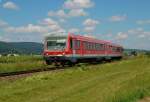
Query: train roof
(79, 37)
(91, 39)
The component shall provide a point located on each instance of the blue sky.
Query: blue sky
(121, 21)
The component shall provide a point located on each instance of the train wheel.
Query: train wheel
(56, 64)
(48, 62)
(71, 64)
(62, 64)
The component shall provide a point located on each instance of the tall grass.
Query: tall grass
(20, 63)
(124, 81)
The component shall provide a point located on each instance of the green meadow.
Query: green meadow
(120, 81)
(20, 63)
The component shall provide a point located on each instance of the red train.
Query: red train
(70, 49)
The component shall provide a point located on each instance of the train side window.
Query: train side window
(118, 49)
(84, 45)
(94, 46)
(91, 46)
(87, 46)
(114, 49)
(110, 47)
(104, 45)
(77, 44)
(97, 46)
(101, 47)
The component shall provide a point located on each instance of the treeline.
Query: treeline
(20, 48)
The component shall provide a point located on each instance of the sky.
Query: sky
(126, 22)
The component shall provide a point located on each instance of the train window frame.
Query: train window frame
(77, 44)
(71, 43)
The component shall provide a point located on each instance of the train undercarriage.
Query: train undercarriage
(62, 60)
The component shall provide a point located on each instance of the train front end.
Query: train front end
(55, 49)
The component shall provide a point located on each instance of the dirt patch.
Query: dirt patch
(146, 99)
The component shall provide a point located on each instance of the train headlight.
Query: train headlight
(63, 53)
(46, 54)
(60, 55)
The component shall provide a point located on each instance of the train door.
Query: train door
(73, 47)
(82, 48)
(73, 50)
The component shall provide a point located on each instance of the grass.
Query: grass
(20, 63)
(124, 81)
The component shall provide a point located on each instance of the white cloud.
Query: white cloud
(89, 35)
(75, 8)
(74, 30)
(141, 36)
(52, 25)
(78, 4)
(118, 18)
(45, 26)
(121, 36)
(89, 29)
(90, 25)
(30, 28)
(59, 13)
(143, 22)
(71, 13)
(10, 5)
(62, 20)
(77, 13)
(139, 32)
(49, 21)
(3, 23)
(90, 22)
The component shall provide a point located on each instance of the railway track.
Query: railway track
(19, 73)
(27, 72)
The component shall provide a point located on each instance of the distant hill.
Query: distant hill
(21, 47)
(136, 50)
(33, 48)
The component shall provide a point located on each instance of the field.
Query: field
(121, 81)
(20, 63)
